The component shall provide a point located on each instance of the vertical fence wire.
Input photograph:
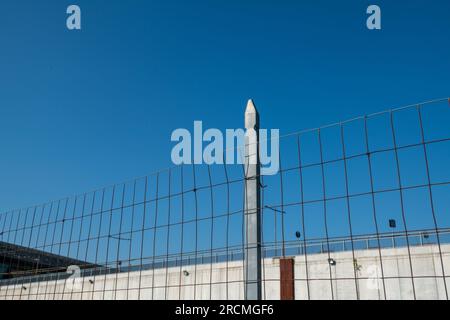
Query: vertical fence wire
(374, 210)
(441, 260)
(399, 180)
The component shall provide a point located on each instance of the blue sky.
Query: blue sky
(84, 109)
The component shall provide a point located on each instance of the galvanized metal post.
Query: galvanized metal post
(252, 210)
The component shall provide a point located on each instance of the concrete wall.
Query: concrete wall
(173, 284)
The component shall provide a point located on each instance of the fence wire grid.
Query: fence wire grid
(361, 207)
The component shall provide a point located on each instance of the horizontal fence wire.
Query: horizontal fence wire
(361, 206)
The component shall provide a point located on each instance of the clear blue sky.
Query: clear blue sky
(83, 109)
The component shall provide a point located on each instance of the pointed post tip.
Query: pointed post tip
(251, 115)
(250, 107)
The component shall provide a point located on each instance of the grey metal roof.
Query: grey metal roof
(13, 252)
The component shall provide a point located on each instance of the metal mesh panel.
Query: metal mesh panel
(361, 205)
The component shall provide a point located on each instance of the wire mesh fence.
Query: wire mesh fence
(358, 210)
